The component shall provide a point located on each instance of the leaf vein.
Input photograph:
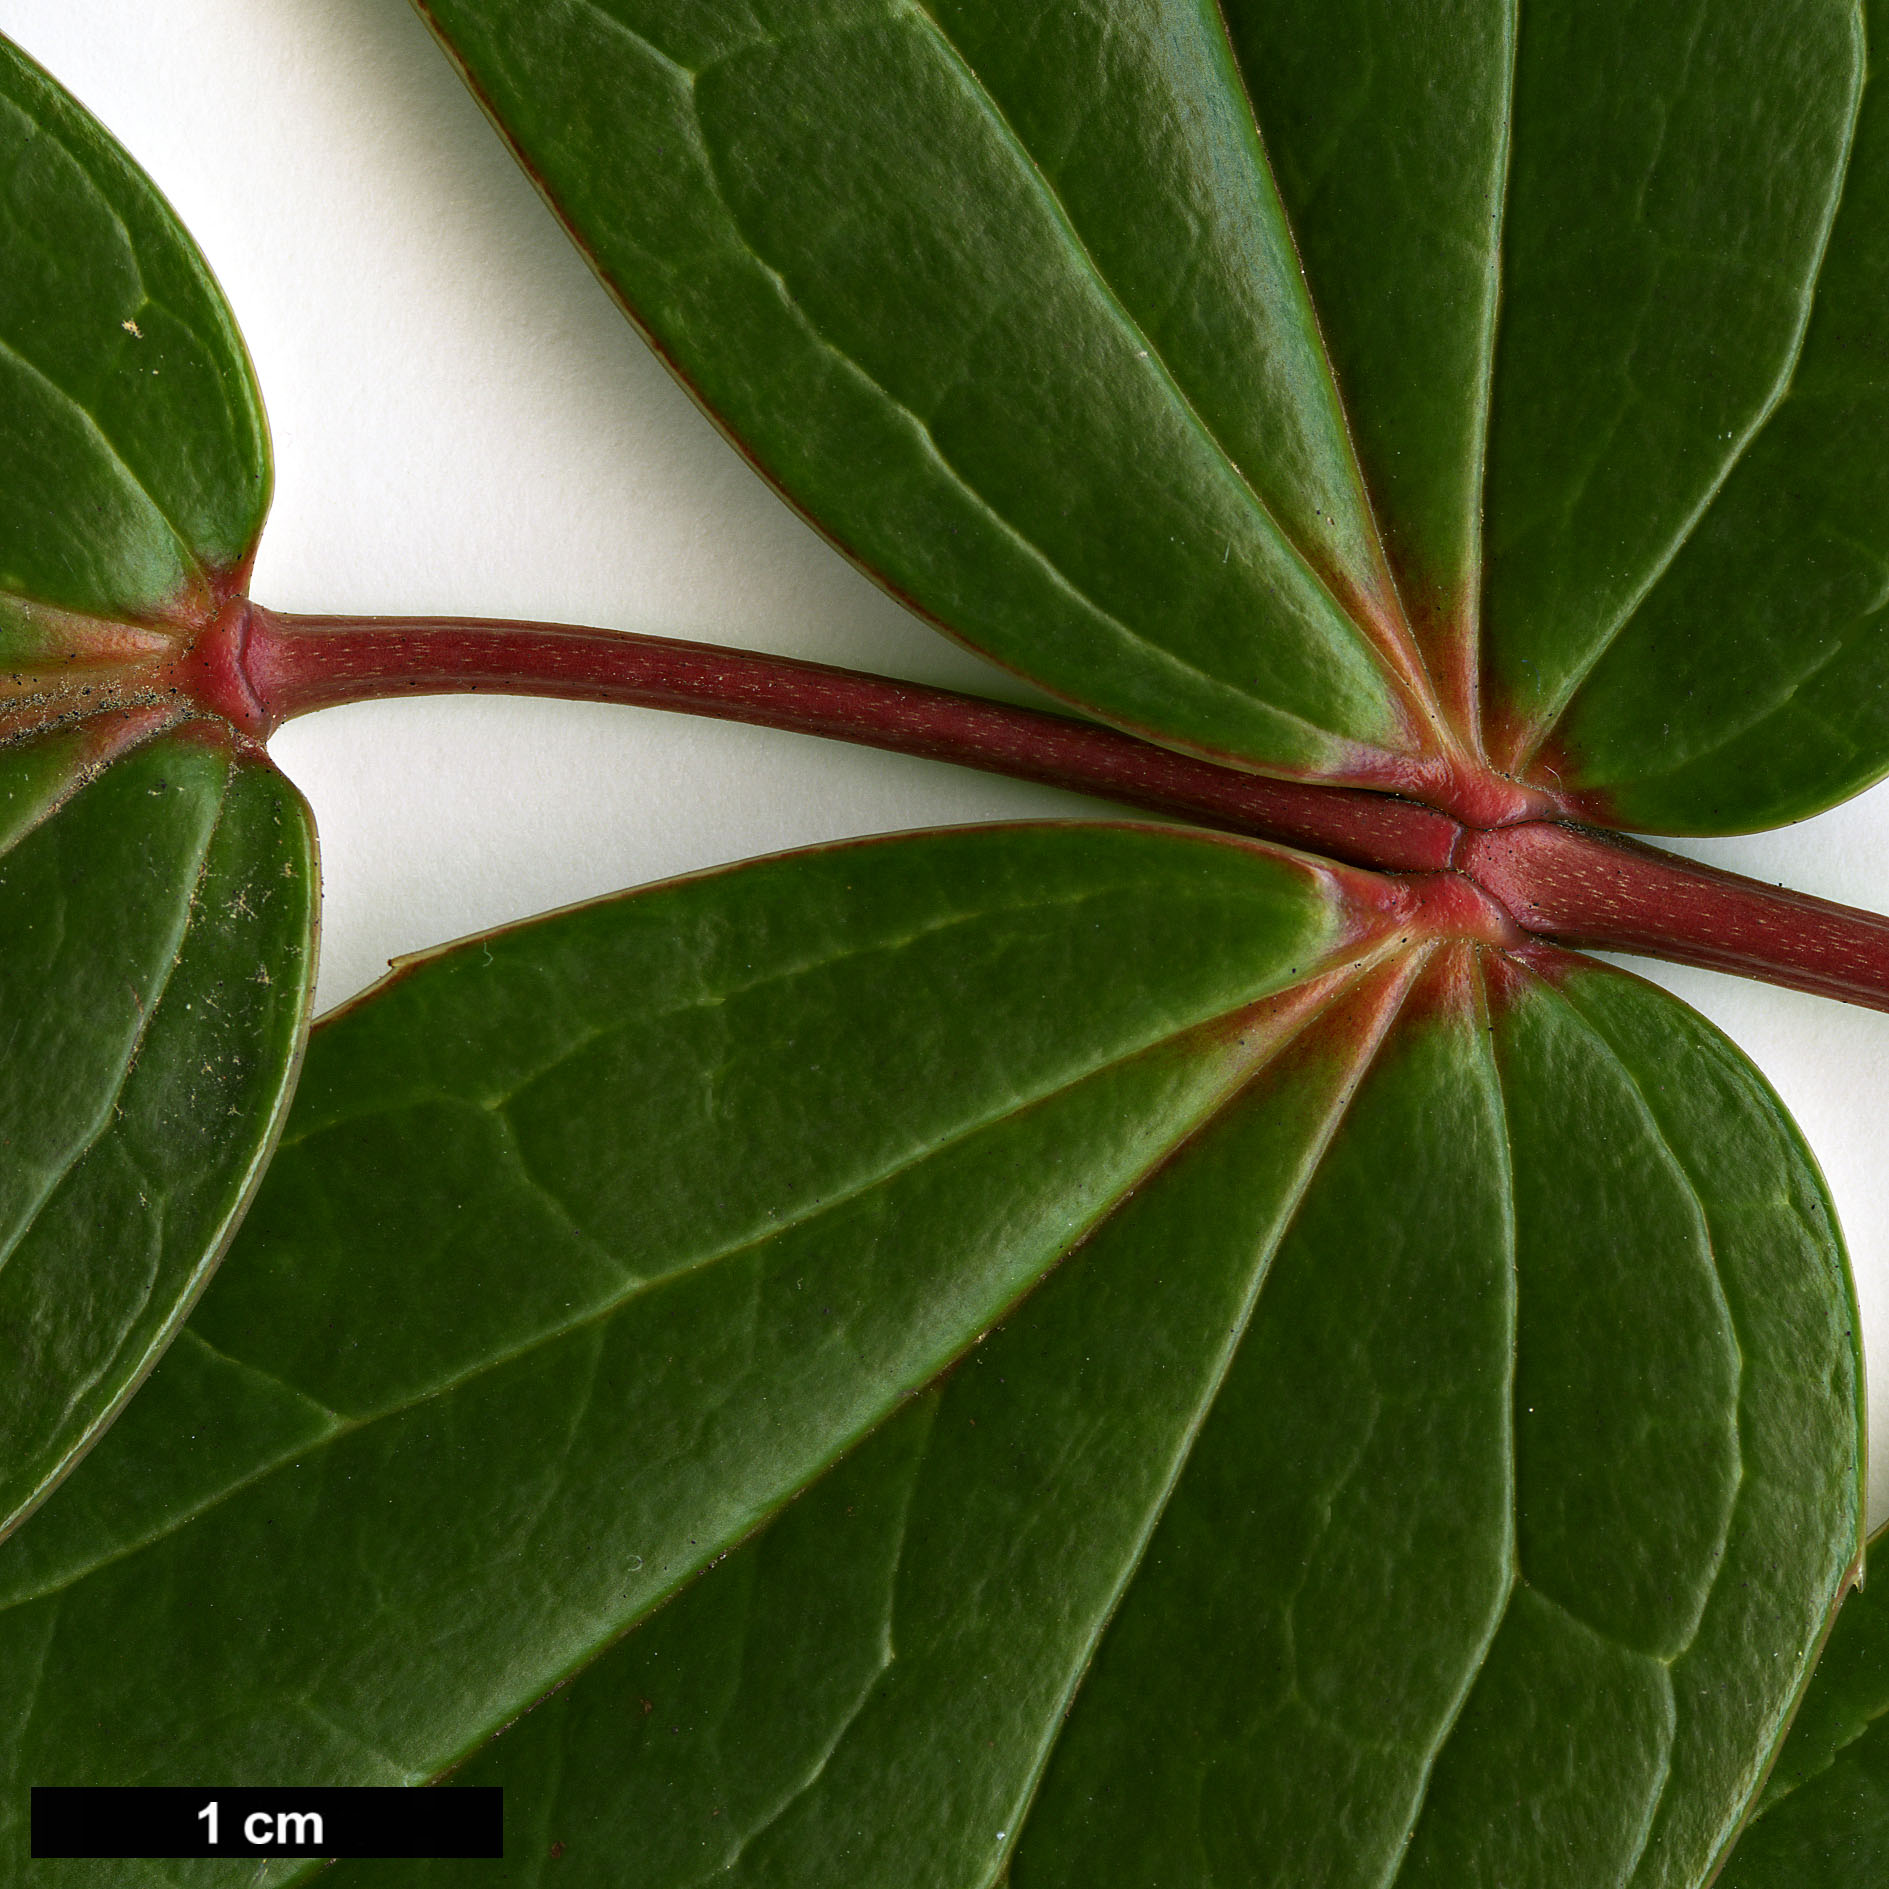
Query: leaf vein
(1555, 711)
(1446, 1729)
(187, 555)
(596, 1315)
(109, 1113)
(1144, 341)
(1316, 1148)
(1408, 646)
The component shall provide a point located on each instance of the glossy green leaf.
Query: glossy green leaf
(1407, 397)
(134, 459)
(1072, 1347)
(1748, 689)
(157, 877)
(1823, 1821)
(1078, 1355)
(1673, 178)
(1009, 306)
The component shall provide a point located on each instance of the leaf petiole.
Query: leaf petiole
(1547, 878)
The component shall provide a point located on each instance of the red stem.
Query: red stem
(1599, 890)
(1557, 881)
(295, 664)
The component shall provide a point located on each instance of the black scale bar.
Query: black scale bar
(162, 1821)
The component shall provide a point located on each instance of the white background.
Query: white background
(464, 425)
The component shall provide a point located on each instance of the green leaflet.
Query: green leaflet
(1134, 1298)
(1673, 177)
(1176, 354)
(1748, 692)
(928, 268)
(157, 885)
(134, 458)
(1069, 1354)
(1823, 1821)
(157, 961)
(1400, 132)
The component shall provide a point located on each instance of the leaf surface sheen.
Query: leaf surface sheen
(1672, 184)
(1338, 391)
(1823, 1821)
(925, 264)
(157, 878)
(136, 460)
(1118, 1438)
(1309, 1395)
(1775, 712)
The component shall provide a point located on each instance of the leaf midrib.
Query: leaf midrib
(1556, 710)
(1315, 1151)
(1341, 406)
(1409, 674)
(1519, 1579)
(1399, 683)
(1024, 900)
(1446, 1728)
(108, 1113)
(343, 1425)
(1485, 389)
(186, 555)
